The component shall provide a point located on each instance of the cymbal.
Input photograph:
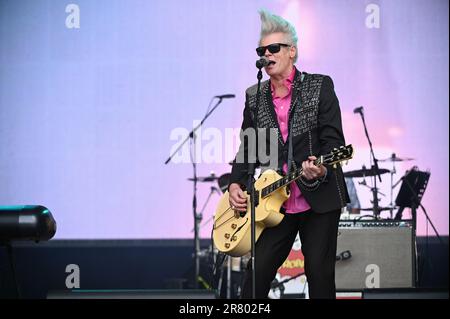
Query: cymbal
(394, 158)
(210, 178)
(366, 172)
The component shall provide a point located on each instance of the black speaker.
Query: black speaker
(375, 254)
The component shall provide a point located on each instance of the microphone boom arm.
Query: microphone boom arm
(191, 134)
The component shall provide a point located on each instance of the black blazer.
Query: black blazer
(316, 128)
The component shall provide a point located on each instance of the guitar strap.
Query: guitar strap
(289, 163)
(290, 151)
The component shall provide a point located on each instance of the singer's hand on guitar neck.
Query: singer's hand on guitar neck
(311, 171)
(238, 199)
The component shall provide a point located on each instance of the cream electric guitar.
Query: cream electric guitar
(232, 230)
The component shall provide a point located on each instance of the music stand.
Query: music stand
(411, 192)
(410, 195)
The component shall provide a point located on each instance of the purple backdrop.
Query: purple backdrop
(86, 114)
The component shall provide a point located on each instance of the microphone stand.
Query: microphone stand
(251, 182)
(376, 207)
(197, 217)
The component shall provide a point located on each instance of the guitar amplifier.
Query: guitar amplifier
(375, 254)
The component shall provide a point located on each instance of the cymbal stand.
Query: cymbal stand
(391, 205)
(200, 215)
(373, 190)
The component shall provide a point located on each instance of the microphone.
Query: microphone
(262, 62)
(226, 96)
(358, 110)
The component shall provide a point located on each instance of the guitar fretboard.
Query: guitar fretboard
(287, 179)
(337, 155)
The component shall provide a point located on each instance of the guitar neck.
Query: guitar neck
(286, 180)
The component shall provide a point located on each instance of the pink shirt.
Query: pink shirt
(296, 202)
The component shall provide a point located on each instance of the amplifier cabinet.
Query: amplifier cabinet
(375, 254)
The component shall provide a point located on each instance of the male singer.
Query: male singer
(304, 110)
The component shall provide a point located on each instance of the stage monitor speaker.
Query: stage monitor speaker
(377, 255)
(406, 293)
(133, 294)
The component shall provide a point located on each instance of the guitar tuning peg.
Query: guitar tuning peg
(334, 165)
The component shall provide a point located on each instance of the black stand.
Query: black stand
(407, 197)
(197, 217)
(9, 251)
(251, 182)
(414, 184)
(411, 193)
(376, 207)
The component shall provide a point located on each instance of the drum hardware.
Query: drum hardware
(234, 264)
(364, 172)
(231, 264)
(199, 216)
(223, 182)
(394, 158)
(364, 183)
(211, 178)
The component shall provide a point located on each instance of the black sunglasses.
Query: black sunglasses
(273, 48)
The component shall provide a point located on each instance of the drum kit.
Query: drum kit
(372, 172)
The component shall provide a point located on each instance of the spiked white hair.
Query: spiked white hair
(271, 23)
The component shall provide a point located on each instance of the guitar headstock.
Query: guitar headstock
(337, 155)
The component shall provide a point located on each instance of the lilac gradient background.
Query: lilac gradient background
(86, 114)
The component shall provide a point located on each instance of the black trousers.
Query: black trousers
(318, 235)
